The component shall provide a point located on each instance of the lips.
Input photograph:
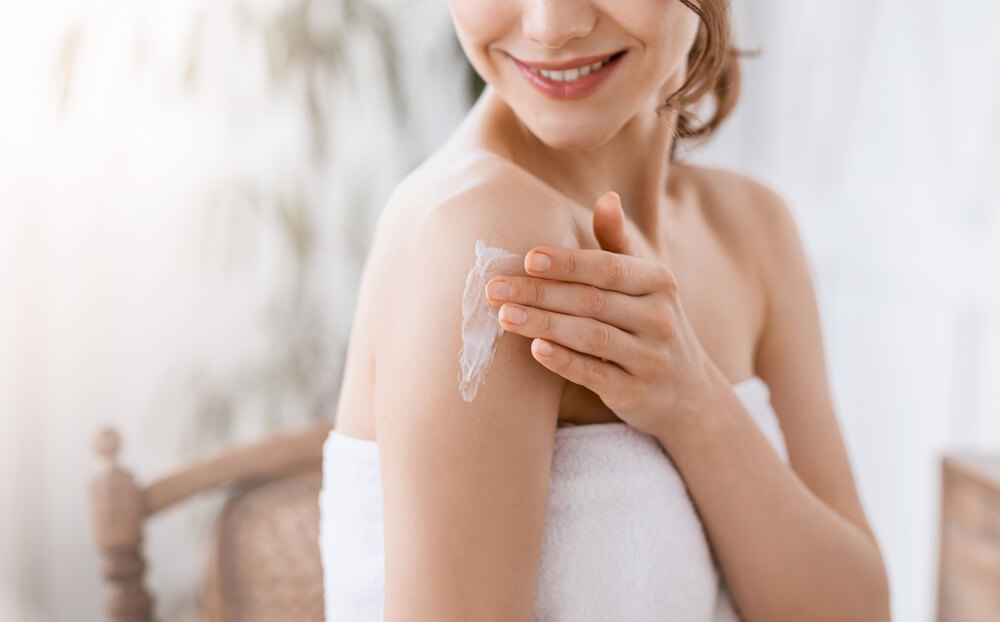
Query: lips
(571, 84)
(581, 61)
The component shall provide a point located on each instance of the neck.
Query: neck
(635, 163)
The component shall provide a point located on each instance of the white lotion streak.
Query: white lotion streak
(480, 320)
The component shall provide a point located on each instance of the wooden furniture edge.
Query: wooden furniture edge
(119, 506)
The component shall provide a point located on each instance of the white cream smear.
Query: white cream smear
(480, 320)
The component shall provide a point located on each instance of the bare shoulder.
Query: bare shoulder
(482, 191)
(442, 217)
(751, 215)
(440, 209)
(755, 225)
(760, 224)
(729, 182)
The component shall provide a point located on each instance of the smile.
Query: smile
(570, 83)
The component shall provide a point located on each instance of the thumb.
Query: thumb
(609, 224)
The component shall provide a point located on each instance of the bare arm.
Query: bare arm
(792, 543)
(465, 484)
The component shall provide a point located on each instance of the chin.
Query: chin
(580, 134)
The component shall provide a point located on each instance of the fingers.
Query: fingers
(610, 271)
(603, 378)
(620, 310)
(582, 334)
(609, 224)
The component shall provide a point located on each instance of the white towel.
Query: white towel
(622, 539)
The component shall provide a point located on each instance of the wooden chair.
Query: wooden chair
(969, 553)
(265, 562)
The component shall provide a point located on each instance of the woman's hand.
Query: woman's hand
(610, 321)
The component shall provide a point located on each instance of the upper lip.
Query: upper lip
(582, 61)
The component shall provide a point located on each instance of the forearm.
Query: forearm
(784, 553)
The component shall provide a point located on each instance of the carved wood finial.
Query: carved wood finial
(118, 509)
(106, 444)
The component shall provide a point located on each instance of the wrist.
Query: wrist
(703, 414)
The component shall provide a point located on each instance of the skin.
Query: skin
(703, 282)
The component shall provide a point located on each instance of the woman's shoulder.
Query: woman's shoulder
(458, 194)
(746, 213)
(438, 214)
(743, 195)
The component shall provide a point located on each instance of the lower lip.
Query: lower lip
(575, 89)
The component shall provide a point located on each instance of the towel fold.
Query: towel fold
(622, 539)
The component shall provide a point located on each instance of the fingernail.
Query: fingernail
(512, 315)
(539, 262)
(543, 347)
(499, 290)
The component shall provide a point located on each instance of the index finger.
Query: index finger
(611, 271)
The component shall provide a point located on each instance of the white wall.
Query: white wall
(877, 122)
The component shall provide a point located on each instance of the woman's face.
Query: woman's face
(655, 36)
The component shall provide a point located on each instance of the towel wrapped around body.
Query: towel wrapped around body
(622, 539)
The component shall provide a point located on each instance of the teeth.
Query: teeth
(568, 75)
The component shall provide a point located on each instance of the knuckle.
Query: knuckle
(571, 264)
(617, 271)
(536, 294)
(657, 358)
(600, 337)
(594, 371)
(594, 300)
(666, 325)
(667, 280)
(653, 317)
(661, 323)
(546, 323)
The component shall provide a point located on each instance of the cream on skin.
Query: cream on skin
(480, 324)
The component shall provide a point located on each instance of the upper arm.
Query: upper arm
(464, 484)
(791, 360)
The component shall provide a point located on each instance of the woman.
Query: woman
(639, 472)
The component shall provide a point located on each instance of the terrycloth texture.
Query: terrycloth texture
(622, 539)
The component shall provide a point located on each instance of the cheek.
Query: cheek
(665, 29)
(479, 23)
(678, 30)
(668, 41)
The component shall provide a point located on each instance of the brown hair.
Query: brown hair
(713, 68)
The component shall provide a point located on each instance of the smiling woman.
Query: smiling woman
(702, 28)
(640, 470)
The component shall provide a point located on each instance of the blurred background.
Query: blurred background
(188, 190)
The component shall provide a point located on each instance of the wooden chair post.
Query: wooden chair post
(284, 469)
(118, 509)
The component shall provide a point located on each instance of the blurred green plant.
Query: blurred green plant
(306, 39)
(307, 46)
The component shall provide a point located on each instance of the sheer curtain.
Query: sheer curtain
(878, 122)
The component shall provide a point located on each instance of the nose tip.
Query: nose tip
(552, 24)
